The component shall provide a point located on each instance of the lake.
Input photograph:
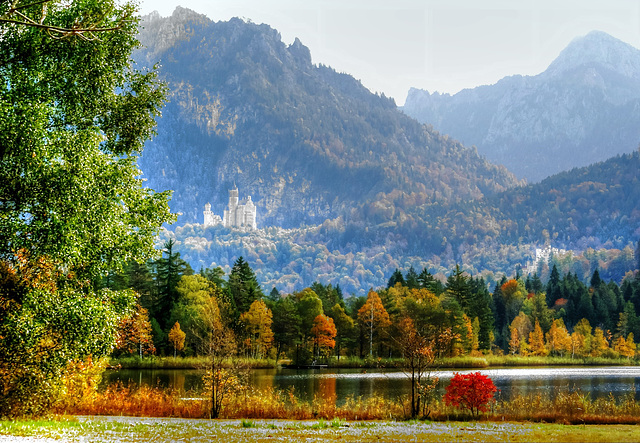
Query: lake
(343, 383)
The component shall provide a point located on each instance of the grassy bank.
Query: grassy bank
(99, 429)
(461, 362)
(155, 362)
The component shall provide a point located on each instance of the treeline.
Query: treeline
(184, 311)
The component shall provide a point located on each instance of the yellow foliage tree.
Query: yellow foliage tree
(626, 348)
(257, 322)
(522, 325)
(600, 343)
(536, 341)
(176, 338)
(558, 338)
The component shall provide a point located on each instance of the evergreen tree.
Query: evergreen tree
(553, 286)
(498, 308)
(596, 281)
(396, 277)
(458, 286)
(169, 268)
(481, 309)
(412, 279)
(243, 287)
(429, 282)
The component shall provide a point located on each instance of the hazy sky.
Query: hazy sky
(437, 45)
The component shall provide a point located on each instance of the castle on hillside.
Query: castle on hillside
(543, 254)
(237, 215)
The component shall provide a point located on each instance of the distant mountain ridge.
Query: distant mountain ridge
(583, 109)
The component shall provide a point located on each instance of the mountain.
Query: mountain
(583, 109)
(348, 187)
(306, 142)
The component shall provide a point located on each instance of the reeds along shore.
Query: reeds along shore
(563, 407)
(460, 362)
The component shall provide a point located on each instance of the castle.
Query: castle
(237, 215)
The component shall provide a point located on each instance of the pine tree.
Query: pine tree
(169, 269)
(412, 279)
(458, 286)
(243, 286)
(396, 277)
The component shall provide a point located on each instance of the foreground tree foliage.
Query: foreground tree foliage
(74, 116)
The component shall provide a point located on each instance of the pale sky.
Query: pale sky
(437, 45)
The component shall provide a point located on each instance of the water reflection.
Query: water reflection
(339, 384)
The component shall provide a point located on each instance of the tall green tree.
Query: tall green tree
(169, 270)
(74, 116)
(458, 286)
(243, 286)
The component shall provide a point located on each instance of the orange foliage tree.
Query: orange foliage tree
(324, 333)
(373, 316)
(134, 333)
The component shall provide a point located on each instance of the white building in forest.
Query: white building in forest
(239, 214)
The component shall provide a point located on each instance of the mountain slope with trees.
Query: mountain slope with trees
(347, 187)
(306, 142)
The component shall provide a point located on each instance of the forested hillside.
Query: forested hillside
(307, 143)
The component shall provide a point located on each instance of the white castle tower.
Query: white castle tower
(239, 214)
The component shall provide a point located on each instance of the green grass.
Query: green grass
(154, 362)
(96, 429)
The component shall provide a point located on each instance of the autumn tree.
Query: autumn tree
(74, 117)
(473, 392)
(374, 317)
(218, 344)
(558, 338)
(324, 333)
(582, 336)
(176, 338)
(257, 323)
(600, 342)
(520, 329)
(423, 333)
(625, 347)
(536, 341)
(134, 333)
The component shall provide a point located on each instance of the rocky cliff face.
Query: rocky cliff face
(582, 109)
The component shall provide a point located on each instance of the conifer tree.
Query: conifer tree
(243, 286)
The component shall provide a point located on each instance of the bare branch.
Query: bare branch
(85, 32)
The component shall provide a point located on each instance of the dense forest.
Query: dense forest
(520, 315)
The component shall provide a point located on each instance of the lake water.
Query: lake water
(343, 383)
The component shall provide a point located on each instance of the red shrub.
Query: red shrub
(470, 391)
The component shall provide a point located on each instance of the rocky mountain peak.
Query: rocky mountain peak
(598, 48)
